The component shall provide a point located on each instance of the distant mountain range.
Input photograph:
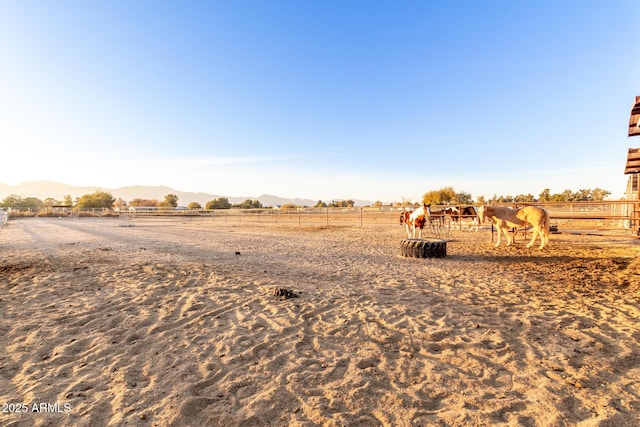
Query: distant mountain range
(46, 189)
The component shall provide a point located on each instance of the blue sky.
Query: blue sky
(377, 100)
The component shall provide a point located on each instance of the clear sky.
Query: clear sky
(374, 100)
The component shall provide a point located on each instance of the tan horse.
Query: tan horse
(506, 218)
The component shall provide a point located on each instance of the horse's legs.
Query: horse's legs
(499, 235)
(544, 238)
(503, 229)
(509, 237)
(534, 234)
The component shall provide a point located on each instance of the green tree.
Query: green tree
(32, 202)
(464, 198)
(49, 202)
(446, 195)
(194, 205)
(99, 199)
(219, 203)
(570, 196)
(567, 196)
(143, 202)
(249, 204)
(524, 198)
(320, 204)
(600, 194)
(545, 196)
(18, 202)
(12, 201)
(505, 199)
(583, 195)
(342, 203)
(170, 201)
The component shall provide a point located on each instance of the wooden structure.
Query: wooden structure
(633, 161)
(634, 120)
(633, 165)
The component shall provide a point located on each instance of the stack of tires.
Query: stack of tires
(423, 248)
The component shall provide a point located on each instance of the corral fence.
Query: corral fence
(604, 218)
(4, 217)
(612, 217)
(359, 216)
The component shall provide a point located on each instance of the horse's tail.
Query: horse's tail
(545, 222)
(547, 225)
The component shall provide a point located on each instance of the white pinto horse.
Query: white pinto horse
(504, 218)
(463, 216)
(414, 221)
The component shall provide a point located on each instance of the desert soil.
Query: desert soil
(172, 323)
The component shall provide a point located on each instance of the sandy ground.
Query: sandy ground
(164, 324)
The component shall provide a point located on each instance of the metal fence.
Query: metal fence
(605, 216)
(614, 216)
(359, 216)
(617, 217)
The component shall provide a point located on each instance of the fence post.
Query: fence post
(360, 216)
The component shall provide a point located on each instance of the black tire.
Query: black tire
(423, 248)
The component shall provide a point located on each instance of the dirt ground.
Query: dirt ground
(176, 323)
